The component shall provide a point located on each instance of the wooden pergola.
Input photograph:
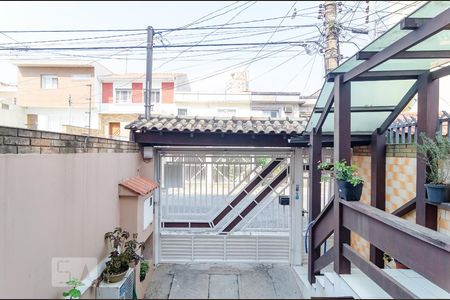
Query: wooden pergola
(398, 69)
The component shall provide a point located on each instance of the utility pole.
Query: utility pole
(332, 52)
(148, 79)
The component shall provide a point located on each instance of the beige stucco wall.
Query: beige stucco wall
(30, 93)
(56, 205)
(132, 216)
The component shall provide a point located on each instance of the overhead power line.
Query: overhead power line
(156, 46)
(210, 33)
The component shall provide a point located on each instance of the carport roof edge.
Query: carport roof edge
(241, 125)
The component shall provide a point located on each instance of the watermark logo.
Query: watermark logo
(65, 268)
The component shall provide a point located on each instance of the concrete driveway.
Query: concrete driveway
(220, 281)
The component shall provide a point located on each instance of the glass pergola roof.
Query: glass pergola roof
(372, 101)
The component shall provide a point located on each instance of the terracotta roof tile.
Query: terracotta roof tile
(140, 185)
(261, 125)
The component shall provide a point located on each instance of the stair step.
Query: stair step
(336, 286)
(417, 284)
(321, 281)
(364, 287)
(301, 275)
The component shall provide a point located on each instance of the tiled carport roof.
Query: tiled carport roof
(251, 125)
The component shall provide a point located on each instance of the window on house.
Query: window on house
(156, 96)
(182, 112)
(123, 95)
(49, 81)
(5, 106)
(226, 112)
(271, 113)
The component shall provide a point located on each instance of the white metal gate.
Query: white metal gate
(223, 206)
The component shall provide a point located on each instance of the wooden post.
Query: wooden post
(427, 120)
(315, 156)
(378, 185)
(342, 150)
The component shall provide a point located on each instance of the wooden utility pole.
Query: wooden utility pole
(148, 79)
(332, 52)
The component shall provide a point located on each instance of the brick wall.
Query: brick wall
(401, 151)
(391, 151)
(23, 141)
(361, 151)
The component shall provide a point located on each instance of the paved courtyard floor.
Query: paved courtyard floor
(220, 281)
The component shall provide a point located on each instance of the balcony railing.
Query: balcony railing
(404, 131)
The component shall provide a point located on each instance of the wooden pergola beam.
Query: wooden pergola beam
(400, 106)
(364, 55)
(361, 109)
(326, 110)
(383, 75)
(427, 120)
(444, 71)
(415, 23)
(426, 30)
(342, 150)
(378, 186)
(315, 155)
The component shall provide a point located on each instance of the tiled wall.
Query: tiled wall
(363, 163)
(444, 221)
(400, 181)
(400, 186)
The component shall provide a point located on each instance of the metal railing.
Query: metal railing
(404, 131)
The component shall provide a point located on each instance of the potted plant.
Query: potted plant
(74, 292)
(349, 183)
(123, 256)
(436, 155)
(143, 270)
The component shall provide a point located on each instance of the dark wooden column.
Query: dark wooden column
(315, 155)
(342, 150)
(427, 120)
(378, 185)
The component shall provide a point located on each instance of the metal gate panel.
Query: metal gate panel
(208, 248)
(205, 192)
(175, 248)
(231, 248)
(273, 249)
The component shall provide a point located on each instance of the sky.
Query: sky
(290, 68)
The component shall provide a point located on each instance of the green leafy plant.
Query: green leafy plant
(143, 270)
(125, 251)
(74, 292)
(341, 171)
(435, 154)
